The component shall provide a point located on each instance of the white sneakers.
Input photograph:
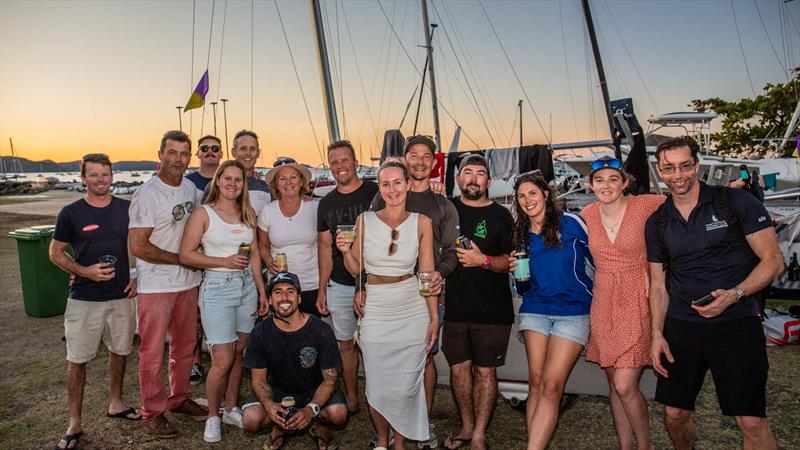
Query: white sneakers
(432, 442)
(234, 417)
(213, 431)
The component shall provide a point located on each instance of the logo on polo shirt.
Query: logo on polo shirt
(762, 218)
(716, 223)
(91, 227)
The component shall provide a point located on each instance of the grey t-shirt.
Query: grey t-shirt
(444, 218)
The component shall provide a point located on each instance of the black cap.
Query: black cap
(283, 277)
(420, 139)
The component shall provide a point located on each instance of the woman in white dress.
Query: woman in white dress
(399, 326)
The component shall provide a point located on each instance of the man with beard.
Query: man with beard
(167, 291)
(337, 289)
(717, 245)
(293, 354)
(479, 310)
(100, 304)
(246, 150)
(419, 158)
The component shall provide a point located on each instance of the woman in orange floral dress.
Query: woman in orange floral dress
(620, 315)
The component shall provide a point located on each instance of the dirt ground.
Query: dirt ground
(33, 398)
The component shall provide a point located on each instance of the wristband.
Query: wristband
(488, 263)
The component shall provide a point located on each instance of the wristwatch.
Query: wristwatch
(314, 408)
(739, 293)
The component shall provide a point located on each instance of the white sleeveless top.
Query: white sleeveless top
(222, 239)
(378, 238)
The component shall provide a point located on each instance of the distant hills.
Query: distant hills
(13, 165)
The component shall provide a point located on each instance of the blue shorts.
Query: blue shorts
(228, 302)
(574, 328)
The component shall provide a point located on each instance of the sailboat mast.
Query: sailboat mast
(519, 105)
(598, 62)
(426, 25)
(325, 72)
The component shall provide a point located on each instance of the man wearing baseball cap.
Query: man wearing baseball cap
(293, 354)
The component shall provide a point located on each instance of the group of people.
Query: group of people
(395, 269)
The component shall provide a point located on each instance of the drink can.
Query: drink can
(522, 272)
(463, 242)
(288, 404)
(244, 249)
(283, 265)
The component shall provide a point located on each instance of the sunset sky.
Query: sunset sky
(88, 76)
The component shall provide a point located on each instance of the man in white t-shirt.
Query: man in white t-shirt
(167, 291)
(246, 150)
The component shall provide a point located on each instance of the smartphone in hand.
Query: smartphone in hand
(703, 301)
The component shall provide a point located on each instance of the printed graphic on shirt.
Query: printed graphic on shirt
(181, 210)
(716, 223)
(480, 230)
(308, 357)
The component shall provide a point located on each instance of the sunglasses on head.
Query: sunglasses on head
(611, 163)
(284, 161)
(209, 148)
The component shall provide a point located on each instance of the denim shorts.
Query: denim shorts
(340, 307)
(574, 328)
(228, 303)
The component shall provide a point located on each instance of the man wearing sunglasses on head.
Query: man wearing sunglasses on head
(209, 153)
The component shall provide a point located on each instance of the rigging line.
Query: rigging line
(505, 53)
(469, 87)
(208, 62)
(513, 127)
(221, 45)
(336, 69)
(340, 64)
(252, 57)
(566, 67)
(590, 87)
(388, 58)
(395, 70)
(376, 75)
(299, 83)
(358, 71)
(741, 47)
(472, 68)
(630, 56)
(411, 60)
(191, 69)
(769, 39)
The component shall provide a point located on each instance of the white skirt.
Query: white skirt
(393, 333)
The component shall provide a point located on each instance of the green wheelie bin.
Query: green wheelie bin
(45, 286)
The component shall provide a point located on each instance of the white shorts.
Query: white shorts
(87, 322)
(340, 306)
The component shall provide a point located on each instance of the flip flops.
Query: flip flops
(125, 415)
(459, 441)
(274, 442)
(69, 438)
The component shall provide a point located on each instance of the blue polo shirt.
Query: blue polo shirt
(559, 284)
(701, 257)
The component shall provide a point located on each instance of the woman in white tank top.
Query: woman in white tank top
(230, 295)
(399, 326)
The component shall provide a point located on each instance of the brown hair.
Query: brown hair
(551, 228)
(97, 158)
(246, 213)
(343, 143)
(175, 135)
(242, 133)
(678, 142)
(273, 183)
(209, 136)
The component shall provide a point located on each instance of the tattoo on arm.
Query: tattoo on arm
(330, 381)
(263, 392)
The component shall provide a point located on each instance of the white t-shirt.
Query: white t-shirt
(259, 194)
(165, 209)
(297, 237)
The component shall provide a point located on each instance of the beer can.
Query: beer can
(288, 404)
(463, 242)
(244, 249)
(283, 265)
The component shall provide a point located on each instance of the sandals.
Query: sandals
(69, 439)
(126, 415)
(459, 441)
(274, 442)
(322, 443)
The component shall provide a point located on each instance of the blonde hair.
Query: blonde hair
(246, 214)
(273, 183)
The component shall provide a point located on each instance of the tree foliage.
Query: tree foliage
(747, 122)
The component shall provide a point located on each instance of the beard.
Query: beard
(474, 194)
(286, 314)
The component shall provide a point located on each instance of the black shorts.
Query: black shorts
(308, 302)
(301, 400)
(735, 352)
(483, 344)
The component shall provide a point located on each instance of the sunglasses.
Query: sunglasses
(611, 163)
(393, 245)
(284, 161)
(209, 148)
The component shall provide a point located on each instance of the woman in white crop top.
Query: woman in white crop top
(399, 326)
(230, 295)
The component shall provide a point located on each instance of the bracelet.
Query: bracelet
(488, 263)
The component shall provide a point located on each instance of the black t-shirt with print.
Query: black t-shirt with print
(294, 360)
(343, 209)
(474, 294)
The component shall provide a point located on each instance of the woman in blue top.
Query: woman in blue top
(554, 316)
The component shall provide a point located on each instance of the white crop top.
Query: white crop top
(378, 238)
(222, 238)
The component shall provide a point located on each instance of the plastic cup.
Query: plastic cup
(348, 232)
(425, 277)
(108, 260)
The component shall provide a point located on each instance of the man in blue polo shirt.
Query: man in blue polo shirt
(721, 243)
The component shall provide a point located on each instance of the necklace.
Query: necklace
(613, 229)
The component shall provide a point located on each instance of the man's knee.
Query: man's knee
(485, 374)
(676, 416)
(254, 418)
(334, 415)
(461, 369)
(752, 426)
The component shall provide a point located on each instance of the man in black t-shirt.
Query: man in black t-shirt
(718, 243)
(100, 303)
(337, 289)
(293, 354)
(478, 304)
